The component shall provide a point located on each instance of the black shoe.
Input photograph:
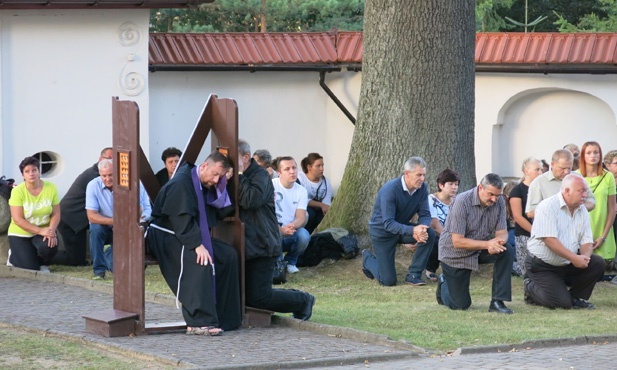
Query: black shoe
(365, 271)
(527, 294)
(440, 281)
(307, 311)
(499, 307)
(579, 303)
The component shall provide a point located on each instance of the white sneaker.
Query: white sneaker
(44, 269)
(8, 259)
(292, 269)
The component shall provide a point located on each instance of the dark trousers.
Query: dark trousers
(549, 284)
(75, 245)
(315, 215)
(381, 264)
(30, 253)
(259, 291)
(455, 289)
(433, 259)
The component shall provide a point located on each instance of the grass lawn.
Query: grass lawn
(346, 298)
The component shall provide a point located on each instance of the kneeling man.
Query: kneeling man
(561, 250)
(397, 202)
(476, 232)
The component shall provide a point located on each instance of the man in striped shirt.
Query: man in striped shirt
(561, 250)
(476, 232)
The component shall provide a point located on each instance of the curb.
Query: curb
(336, 331)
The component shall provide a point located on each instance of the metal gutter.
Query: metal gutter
(322, 83)
(249, 68)
(592, 69)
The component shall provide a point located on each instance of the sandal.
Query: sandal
(431, 276)
(204, 330)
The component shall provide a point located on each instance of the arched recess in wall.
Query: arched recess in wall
(537, 122)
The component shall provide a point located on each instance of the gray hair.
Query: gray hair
(492, 179)
(263, 156)
(562, 154)
(567, 181)
(243, 147)
(529, 160)
(414, 162)
(106, 163)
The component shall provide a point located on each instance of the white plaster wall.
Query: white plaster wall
(287, 113)
(521, 115)
(59, 71)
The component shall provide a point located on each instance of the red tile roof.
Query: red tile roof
(535, 52)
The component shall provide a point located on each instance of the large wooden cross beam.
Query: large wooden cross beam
(219, 117)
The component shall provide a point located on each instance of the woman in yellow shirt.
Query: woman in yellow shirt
(35, 214)
(602, 184)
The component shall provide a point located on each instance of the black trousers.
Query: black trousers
(75, 246)
(455, 290)
(433, 259)
(259, 291)
(30, 253)
(549, 284)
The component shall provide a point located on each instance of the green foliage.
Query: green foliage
(605, 21)
(487, 19)
(245, 16)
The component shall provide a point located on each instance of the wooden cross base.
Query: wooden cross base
(255, 317)
(111, 323)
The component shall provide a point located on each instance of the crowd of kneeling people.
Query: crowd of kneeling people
(553, 227)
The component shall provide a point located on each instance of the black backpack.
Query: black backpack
(6, 185)
(333, 243)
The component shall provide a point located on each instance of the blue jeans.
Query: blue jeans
(295, 245)
(101, 260)
(381, 264)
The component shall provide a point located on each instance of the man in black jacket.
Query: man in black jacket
(73, 225)
(263, 241)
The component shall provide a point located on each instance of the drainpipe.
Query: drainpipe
(322, 77)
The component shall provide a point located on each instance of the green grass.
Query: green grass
(346, 298)
(29, 350)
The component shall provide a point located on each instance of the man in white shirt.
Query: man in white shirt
(290, 201)
(561, 250)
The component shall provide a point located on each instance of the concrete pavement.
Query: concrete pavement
(55, 303)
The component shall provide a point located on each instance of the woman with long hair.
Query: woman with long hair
(318, 188)
(532, 168)
(602, 183)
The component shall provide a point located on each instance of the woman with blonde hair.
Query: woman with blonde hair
(602, 183)
(532, 168)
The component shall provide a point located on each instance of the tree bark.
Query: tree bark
(416, 99)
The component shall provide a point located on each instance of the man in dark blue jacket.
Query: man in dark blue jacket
(263, 241)
(398, 201)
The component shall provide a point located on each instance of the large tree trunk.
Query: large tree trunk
(416, 99)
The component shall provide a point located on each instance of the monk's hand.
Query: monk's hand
(203, 257)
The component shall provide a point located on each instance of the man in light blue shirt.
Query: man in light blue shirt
(100, 211)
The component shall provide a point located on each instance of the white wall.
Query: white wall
(522, 115)
(287, 113)
(59, 71)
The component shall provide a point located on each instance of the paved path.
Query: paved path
(47, 303)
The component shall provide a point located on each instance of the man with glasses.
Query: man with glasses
(476, 232)
(549, 183)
